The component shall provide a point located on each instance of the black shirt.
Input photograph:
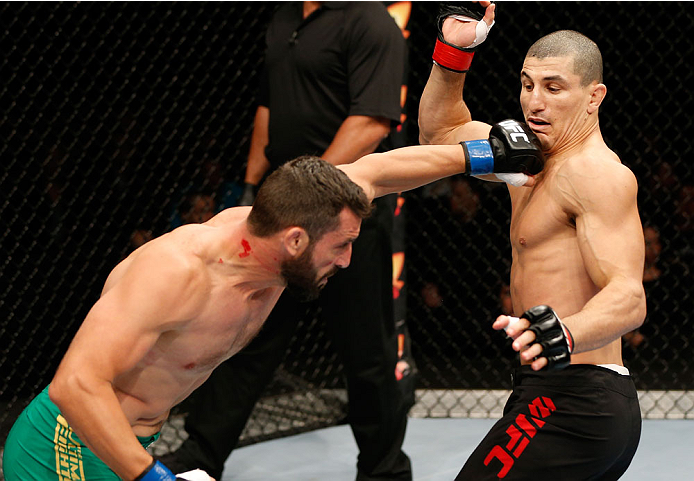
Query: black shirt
(346, 58)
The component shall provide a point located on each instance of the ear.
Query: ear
(294, 241)
(598, 92)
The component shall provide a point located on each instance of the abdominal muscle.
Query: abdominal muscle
(561, 282)
(146, 396)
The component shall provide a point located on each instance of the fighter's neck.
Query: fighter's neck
(256, 261)
(575, 143)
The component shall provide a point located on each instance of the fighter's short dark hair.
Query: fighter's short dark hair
(307, 192)
(565, 43)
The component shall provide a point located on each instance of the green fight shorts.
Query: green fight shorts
(42, 446)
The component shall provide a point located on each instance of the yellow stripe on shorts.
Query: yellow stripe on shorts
(68, 453)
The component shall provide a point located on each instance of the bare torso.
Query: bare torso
(548, 267)
(183, 357)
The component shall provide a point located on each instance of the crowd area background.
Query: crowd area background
(120, 121)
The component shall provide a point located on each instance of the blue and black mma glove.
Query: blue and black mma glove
(457, 58)
(511, 148)
(550, 333)
(158, 472)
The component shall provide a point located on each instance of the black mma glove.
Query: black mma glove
(554, 337)
(248, 194)
(512, 147)
(458, 58)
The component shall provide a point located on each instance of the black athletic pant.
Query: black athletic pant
(581, 423)
(357, 307)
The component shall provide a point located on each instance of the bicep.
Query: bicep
(110, 341)
(610, 234)
(472, 130)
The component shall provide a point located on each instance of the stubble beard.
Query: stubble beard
(302, 277)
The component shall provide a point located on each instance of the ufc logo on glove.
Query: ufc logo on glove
(515, 129)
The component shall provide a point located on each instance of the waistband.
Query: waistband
(616, 368)
(576, 375)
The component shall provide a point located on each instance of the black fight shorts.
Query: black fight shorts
(581, 423)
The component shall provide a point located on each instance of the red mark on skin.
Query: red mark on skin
(221, 261)
(246, 248)
(189, 366)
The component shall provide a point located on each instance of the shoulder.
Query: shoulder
(230, 215)
(164, 281)
(596, 170)
(595, 179)
(173, 259)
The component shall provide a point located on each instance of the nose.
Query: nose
(343, 260)
(535, 100)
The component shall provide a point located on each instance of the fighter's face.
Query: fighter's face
(554, 103)
(308, 274)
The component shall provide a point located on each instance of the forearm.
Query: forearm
(406, 168)
(358, 136)
(441, 108)
(618, 308)
(92, 410)
(258, 164)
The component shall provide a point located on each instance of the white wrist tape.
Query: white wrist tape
(511, 321)
(481, 30)
(517, 179)
(195, 475)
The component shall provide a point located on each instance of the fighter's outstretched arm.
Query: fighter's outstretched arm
(405, 168)
(510, 148)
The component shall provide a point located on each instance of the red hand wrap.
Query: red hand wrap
(569, 337)
(452, 58)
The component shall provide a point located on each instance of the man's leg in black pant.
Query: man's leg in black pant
(219, 409)
(358, 310)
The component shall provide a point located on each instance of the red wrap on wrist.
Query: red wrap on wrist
(452, 58)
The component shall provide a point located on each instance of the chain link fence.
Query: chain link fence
(112, 115)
